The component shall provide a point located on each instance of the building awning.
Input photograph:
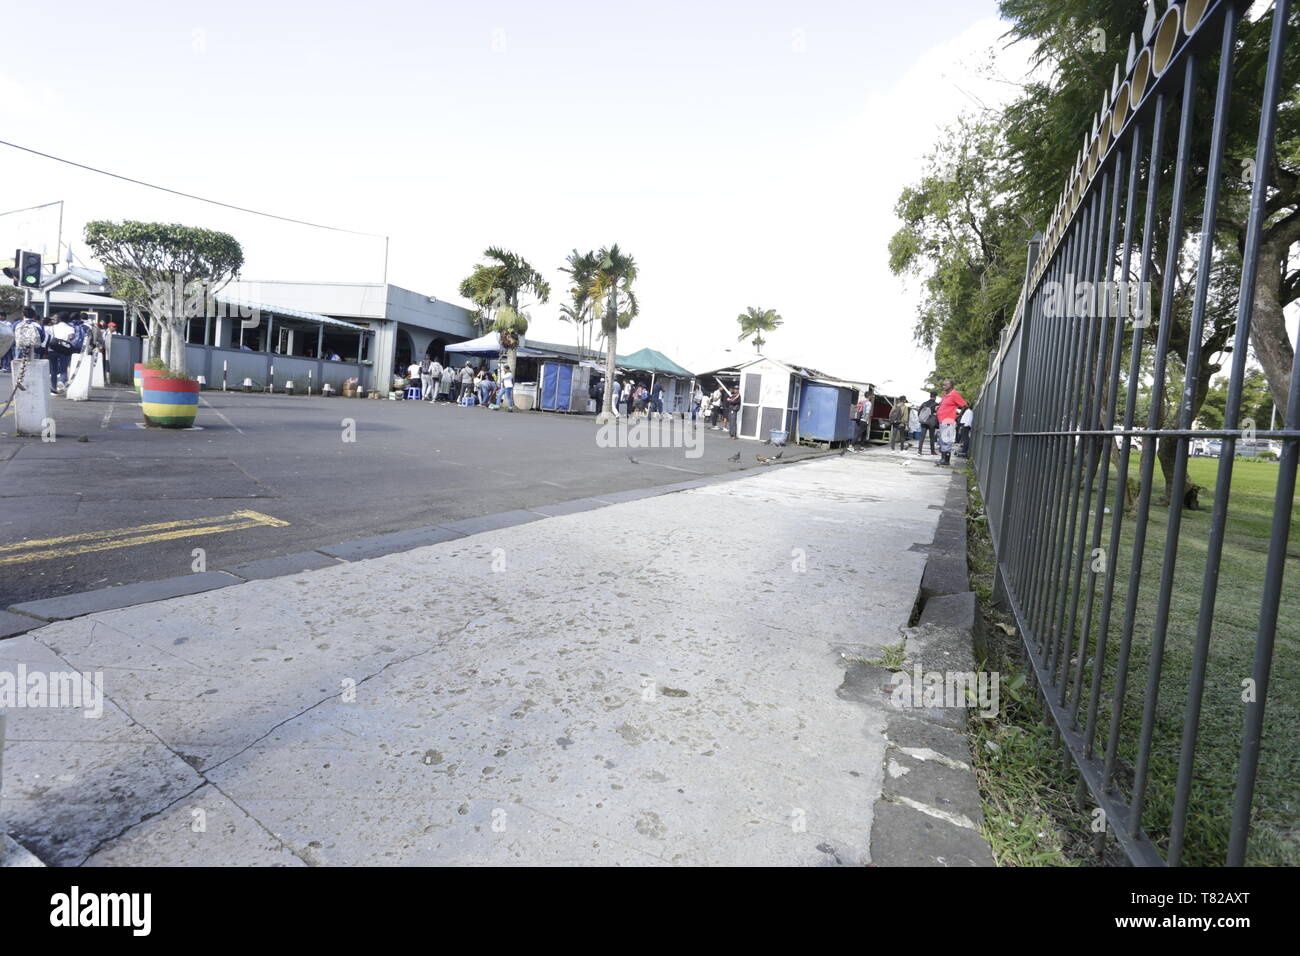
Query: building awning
(280, 310)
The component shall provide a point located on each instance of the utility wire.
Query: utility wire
(177, 192)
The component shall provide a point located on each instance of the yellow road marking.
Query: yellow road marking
(91, 541)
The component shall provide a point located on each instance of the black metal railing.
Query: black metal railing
(1159, 705)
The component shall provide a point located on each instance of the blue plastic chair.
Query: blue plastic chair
(413, 393)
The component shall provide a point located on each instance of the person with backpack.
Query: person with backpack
(929, 418)
(59, 346)
(897, 423)
(426, 377)
(435, 381)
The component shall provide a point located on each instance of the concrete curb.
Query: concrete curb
(30, 615)
(929, 811)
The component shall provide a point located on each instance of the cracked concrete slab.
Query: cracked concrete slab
(653, 682)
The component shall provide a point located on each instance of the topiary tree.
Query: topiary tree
(160, 268)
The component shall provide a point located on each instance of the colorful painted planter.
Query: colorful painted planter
(168, 402)
(137, 375)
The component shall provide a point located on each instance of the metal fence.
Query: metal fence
(1159, 706)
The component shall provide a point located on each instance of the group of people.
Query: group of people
(947, 418)
(720, 408)
(60, 337)
(463, 386)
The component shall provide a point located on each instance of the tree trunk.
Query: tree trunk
(611, 342)
(1268, 328)
(176, 357)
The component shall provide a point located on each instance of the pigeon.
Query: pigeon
(735, 457)
(778, 454)
(633, 460)
(843, 452)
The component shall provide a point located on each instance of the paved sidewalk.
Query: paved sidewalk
(653, 682)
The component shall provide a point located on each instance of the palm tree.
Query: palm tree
(754, 322)
(497, 284)
(581, 267)
(614, 304)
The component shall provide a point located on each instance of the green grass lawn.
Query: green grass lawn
(1027, 788)
(1276, 834)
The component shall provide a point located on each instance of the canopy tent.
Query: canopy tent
(648, 360)
(489, 346)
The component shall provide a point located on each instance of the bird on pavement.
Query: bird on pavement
(761, 460)
(843, 452)
(735, 457)
(633, 460)
(779, 454)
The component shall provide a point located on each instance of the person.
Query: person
(913, 424)
(6, 325)
(626, 398)
(60, 350)
(426, 377)
(435, 381)
(697, 402)
(448, 388)
(862, 420)
(897, 423)
(964, 426)
(466, 383)
(950, 407)
(657, 400)
(715, 407)
(733, 412)
(929, 423)
(639, 401)
(596, 392)
(507, 389)
(485, 387)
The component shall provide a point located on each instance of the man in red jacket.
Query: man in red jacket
(950, 407)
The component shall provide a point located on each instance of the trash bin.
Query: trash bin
(525, 396)
(778, 437)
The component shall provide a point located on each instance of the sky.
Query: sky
(746, 154)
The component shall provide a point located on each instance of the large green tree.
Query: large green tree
(500, 282)
(966, 243)
(165, 268)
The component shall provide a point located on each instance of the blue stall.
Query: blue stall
(563, 386)
(825, 411)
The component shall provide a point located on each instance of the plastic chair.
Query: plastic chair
(413, 393)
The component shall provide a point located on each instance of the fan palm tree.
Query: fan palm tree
(614, 304)
(754, 322)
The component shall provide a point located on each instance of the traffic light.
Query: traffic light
(11, 272)
(29, 270)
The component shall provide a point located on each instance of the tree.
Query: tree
(1043, 127)
(498, 283)
(754, 322)
(510, 327)
(580, 267)
(615, 306)
(168, 267)
(962, 237)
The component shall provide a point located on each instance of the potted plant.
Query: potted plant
(168, 398)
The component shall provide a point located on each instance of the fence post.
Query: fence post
(1017, 397)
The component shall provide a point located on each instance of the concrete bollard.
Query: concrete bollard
(248, 384)
(32, 403)
(203, 383)
(288, 387)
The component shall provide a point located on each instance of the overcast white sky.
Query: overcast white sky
(745, 153)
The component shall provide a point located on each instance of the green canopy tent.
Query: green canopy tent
(657, 364)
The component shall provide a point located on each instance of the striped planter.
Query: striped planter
(168, 402)
(137, 375)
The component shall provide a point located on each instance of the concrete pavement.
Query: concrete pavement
(654, 682)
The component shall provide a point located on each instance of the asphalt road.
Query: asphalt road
(272, 475)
